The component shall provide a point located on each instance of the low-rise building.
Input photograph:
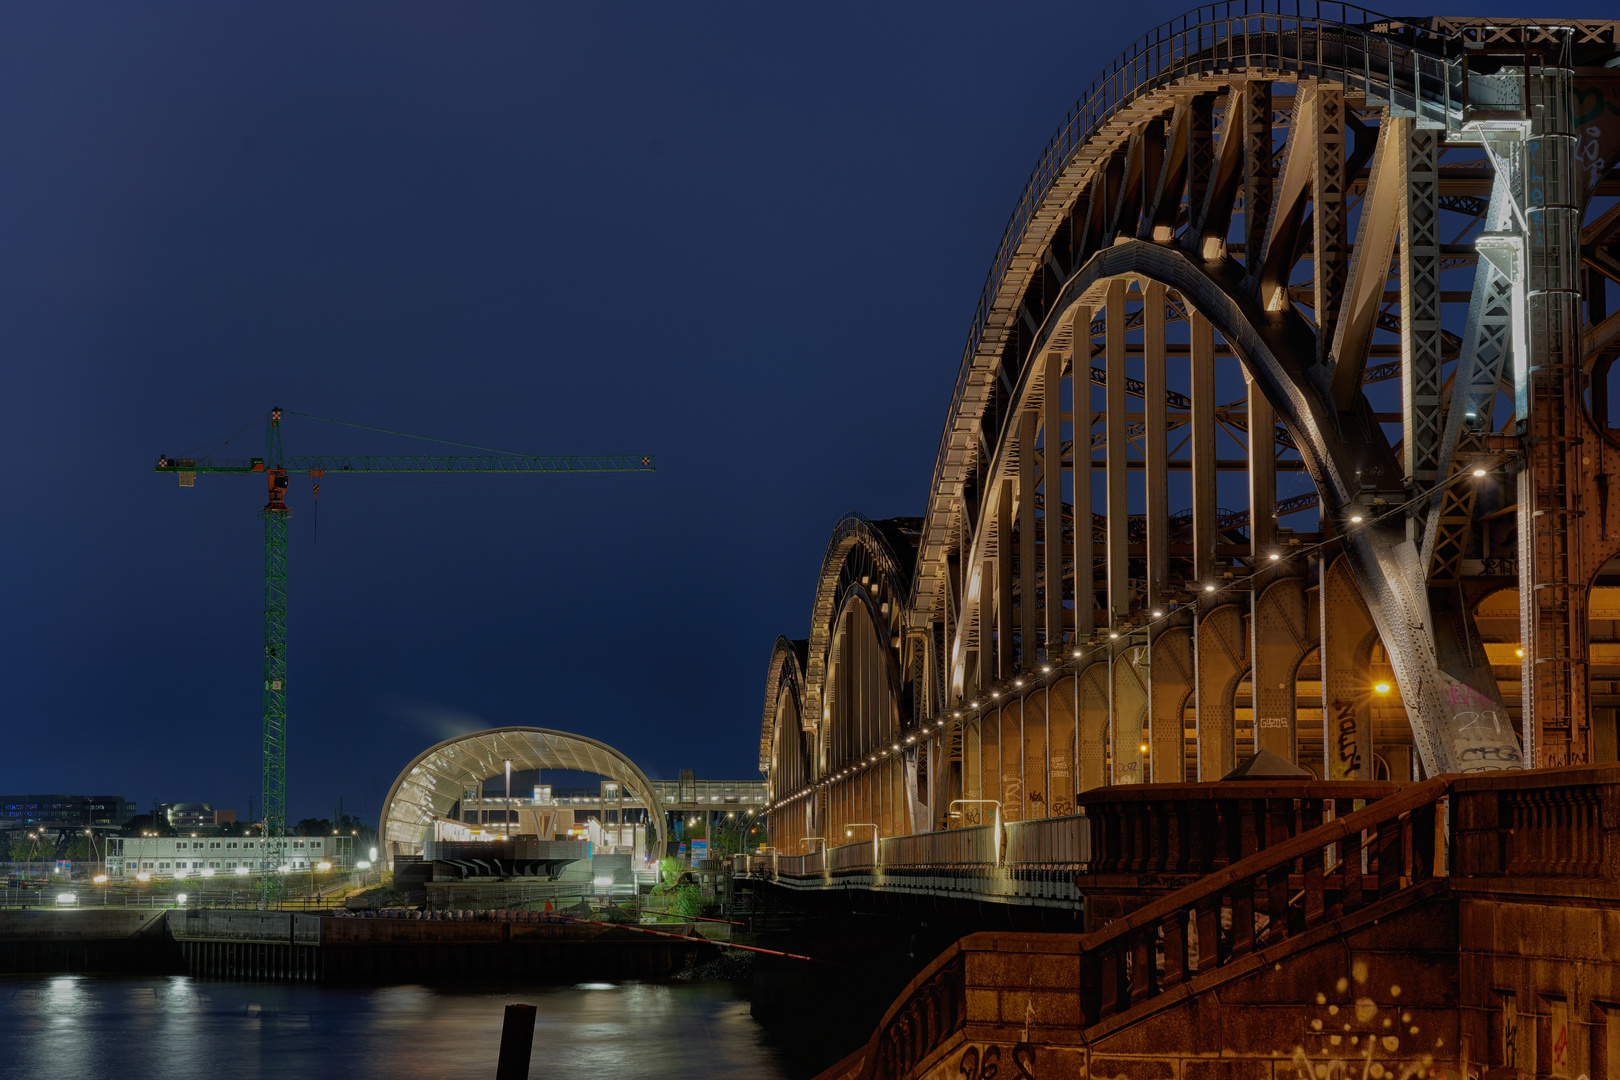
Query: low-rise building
(61, 811)
(208, 856)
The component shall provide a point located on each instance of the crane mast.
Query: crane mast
(274, 727)
(277, 469)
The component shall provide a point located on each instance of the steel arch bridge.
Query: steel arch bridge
(1344, 272)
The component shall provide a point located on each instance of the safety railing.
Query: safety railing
(1537, 824)
(1199, 828)
(808, 865)
(856, 856)
(1282, 892)
(1049, 842)
(946, 848)
(1395, 62)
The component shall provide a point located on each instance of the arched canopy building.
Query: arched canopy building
(434, 781)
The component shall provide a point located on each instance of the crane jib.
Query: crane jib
(418, 464)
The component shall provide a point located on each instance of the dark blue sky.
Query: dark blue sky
(744, 237)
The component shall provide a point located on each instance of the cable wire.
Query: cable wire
(226, 440)
(404, 434)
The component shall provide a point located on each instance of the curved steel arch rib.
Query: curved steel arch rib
(1443, 709)
(434, 780)
(852, 531)
(786, 675)
(1356, 48)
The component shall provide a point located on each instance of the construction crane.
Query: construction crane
(277, 469)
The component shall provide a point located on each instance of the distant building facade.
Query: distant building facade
(61, 811)
(211, 856)
(194, 815)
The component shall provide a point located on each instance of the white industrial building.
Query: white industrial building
(210, 856)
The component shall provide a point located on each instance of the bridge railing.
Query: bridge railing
(856, 856)
(945, 848)
(1281, 892)
(1200, 828)
(1537, 824)
(1050, 842)
(812, 864)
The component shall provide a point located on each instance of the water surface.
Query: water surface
(179, 1028)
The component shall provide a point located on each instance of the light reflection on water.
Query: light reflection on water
(178, 1028)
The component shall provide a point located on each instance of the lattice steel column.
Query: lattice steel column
(1154, 445)
(1486, 344)
(1203, 449)
(1420, 305)
(1118, 533)
(1052, 482)
(1258, 170)
(985, 617)
(1330, 223)
(1346, 626)
(1200, 150)
(1552, 574)
(1004, 582)
(1028, 560)
(1262, 475)
(1085, 555)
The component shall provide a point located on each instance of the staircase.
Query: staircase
(1464, 923)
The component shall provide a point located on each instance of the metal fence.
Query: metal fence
(1062, 841)
(948, 847)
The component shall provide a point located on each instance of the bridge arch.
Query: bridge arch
(1199, 201)
(787, 741)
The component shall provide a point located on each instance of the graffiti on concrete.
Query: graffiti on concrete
(985, 1063)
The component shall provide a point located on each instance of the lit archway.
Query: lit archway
(433, 782)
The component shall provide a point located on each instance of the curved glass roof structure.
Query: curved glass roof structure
(433, 782)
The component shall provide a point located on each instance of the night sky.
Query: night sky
(746, 238)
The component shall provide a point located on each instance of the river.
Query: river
(88, 1027)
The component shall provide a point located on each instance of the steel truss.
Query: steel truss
(1255, 179)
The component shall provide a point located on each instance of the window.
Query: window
(298, 843)
(162, 866)
(231, 844)
(215, 844)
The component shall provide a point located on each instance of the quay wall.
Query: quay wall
(284, 946)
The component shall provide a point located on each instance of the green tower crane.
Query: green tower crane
(277, 468)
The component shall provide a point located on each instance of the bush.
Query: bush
(669, 872)
(689, 902)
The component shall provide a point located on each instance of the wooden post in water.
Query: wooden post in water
(517, 1042)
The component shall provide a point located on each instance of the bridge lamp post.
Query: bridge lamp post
(849, 830)
(982, 802)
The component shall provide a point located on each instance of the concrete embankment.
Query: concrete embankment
(272, 945)
(93, 939)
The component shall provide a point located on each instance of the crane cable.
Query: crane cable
(403, 434)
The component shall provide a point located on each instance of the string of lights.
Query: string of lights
(1355, 516)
